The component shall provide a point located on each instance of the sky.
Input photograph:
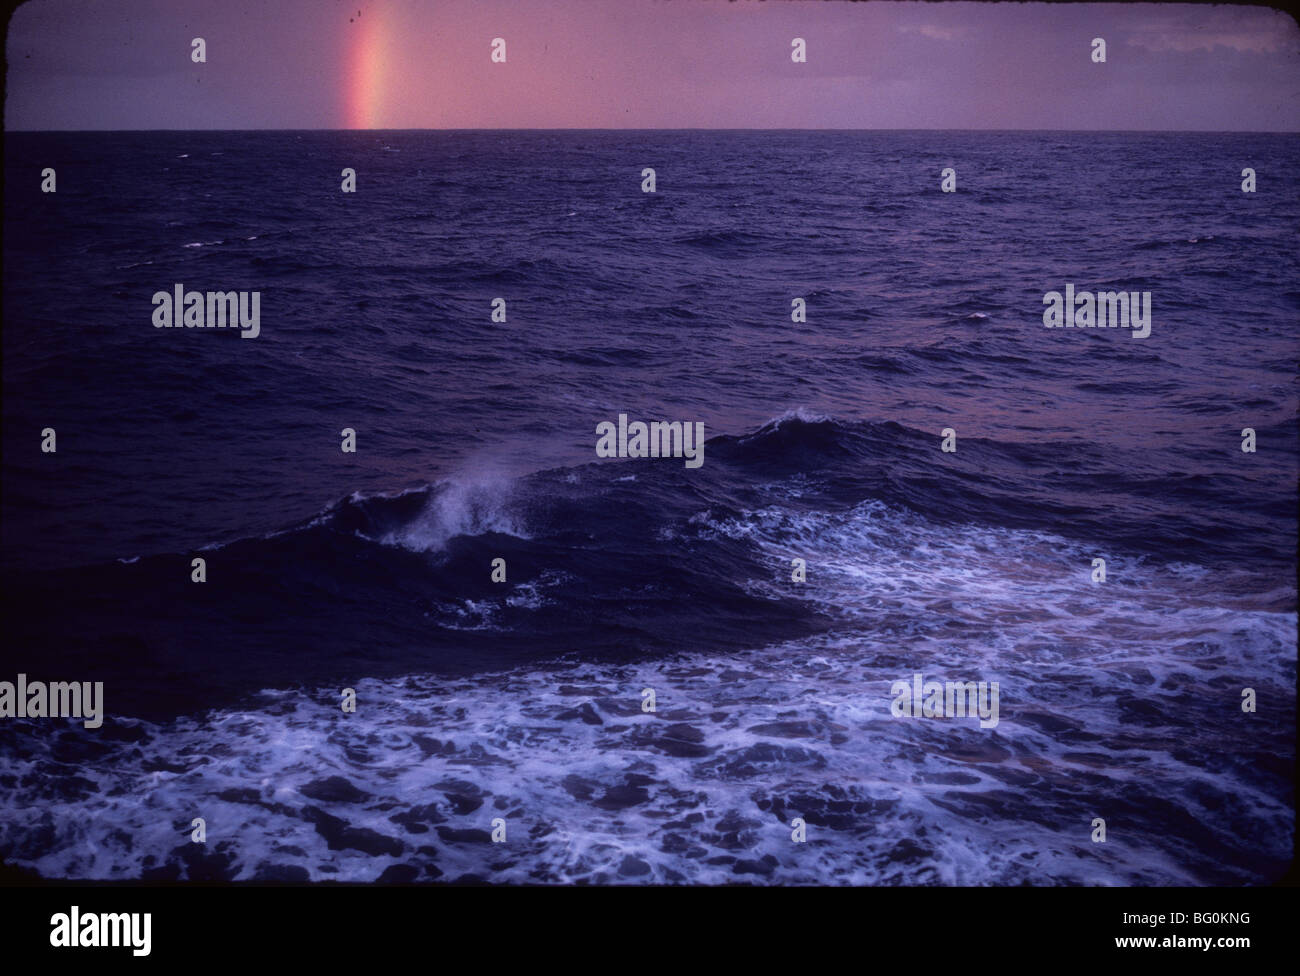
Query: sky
(648, 64)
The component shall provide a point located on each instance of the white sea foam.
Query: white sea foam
(1117, 700)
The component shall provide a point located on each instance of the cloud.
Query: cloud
(1252, 30)
(932, 31)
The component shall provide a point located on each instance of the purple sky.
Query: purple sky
(125, 64)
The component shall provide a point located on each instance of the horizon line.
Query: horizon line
(8, 131)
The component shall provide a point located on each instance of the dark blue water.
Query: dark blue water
(476, 440)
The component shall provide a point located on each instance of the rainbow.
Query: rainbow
(364, 95)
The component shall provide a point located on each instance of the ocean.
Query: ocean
(520, 706)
